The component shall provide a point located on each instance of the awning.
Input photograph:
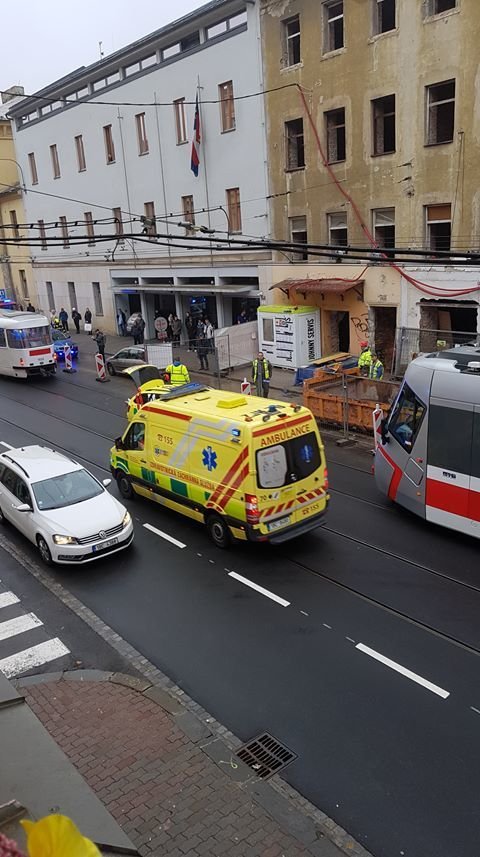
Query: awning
(331, 285)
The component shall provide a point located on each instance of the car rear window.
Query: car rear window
(287, 462)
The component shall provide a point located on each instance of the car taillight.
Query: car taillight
(325, 478)
(251, 506)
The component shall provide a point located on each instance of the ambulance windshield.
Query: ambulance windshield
(288, 462)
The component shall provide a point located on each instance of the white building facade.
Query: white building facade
(111, 143)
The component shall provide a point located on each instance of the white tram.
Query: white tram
(428, 458)
(25, 344)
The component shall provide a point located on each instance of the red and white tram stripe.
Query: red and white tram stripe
(452, 499)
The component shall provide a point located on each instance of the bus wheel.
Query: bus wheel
(218, 531)
(124, 485)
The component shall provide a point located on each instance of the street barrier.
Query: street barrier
(68, 361)
(246, 387)
(100, 366)
(377, 425)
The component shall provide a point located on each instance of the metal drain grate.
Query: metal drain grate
(265, 755)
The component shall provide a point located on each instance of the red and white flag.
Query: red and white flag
(195, 159)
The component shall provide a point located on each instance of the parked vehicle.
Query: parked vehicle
(60, 507)
(60, 342)
(133, 355)
(26, 346)
(247, 469)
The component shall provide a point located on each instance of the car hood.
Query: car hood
(87, 518)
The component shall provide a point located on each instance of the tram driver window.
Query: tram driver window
(406, 419)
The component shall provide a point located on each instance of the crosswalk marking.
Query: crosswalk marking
(35, 656)
(8, 598)
(19, 625)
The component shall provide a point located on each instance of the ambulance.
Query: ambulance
(248, 468)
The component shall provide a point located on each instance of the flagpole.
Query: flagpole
(204, 150)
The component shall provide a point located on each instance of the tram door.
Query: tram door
(406, 450)
(474, 498)
(450, 446)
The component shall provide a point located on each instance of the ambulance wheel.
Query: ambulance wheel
(218, 531)
(124, 485)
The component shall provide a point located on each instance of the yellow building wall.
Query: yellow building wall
(19, 257)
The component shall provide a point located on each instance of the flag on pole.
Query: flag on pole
(195, 160)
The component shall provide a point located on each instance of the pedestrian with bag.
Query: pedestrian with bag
(99, 338)
(76, 318)
(261, 375)
(88, 321)
(63, 319)
(177, 373)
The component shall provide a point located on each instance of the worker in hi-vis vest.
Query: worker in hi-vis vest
(365, 359)
(261, 375)
(177, 373)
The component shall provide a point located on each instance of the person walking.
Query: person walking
(261, 375)
(122, 322)
(99, 338)
(30, 307)
(190, 329)
(376, 370)
(177, 373)
(138, 330)
(365, 359)
(88, 321)
(63, 319)
(176, 330)
(209, 335)
(202, 353)
(76, 318)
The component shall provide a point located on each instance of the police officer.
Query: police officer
(261, 375)
(376, 369)
(365, 359)
(178, 373)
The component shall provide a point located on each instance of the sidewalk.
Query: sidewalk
(175, 788)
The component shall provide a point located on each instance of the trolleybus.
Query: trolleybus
(25, 344)
(428, 458)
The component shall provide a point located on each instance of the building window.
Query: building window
(14, 223)
(298, 235)
(50, 298)
(64, 231)
(90, 228)
(23, 282)
(150, 226)
(33, 168)
(227, 105)
(117, 215)
(109, 145)
(55, 161)
(82, 164)
(43, 234)
(72, 295)
(335, 124)
(141, 134)
(337, 229)
(384, 228)
(234, 210)
(440, 112)
(294, 145)
(384, 16)
(188, 211)
(97, 299)
(333, 19)
(180, 124)
(439, 227)
(383, 111)
(291, 41)
(436, 7)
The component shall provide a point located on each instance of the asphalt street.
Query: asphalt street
(358, 646)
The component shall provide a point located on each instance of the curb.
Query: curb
(296, 815)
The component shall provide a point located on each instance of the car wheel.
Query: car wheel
(110, 369)
(218, 531)
(44, 551)
(124, 485)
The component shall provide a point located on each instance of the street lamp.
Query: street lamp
(13, 161)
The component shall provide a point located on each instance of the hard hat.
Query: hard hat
(363, 344)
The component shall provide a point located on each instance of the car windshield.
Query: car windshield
(66, 490)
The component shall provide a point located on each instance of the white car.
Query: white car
(60, 507)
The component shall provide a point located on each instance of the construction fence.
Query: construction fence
(410, 342)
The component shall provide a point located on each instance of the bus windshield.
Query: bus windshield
(288, 462)
(29, 337)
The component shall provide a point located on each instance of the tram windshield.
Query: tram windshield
(29, 337)
(406, 418)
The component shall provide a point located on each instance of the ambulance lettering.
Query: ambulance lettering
(286, 434)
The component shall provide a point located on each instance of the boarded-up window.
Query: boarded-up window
(234, 210)
(227, 105)
(90, 227)
(141, 134)
(55, 161)
(180, 124)
(64, 231)
(82, 165)
(109, 144)
(188, 211)
(33, 168)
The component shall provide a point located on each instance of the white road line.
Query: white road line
(35, 656)
(472, 707)
(164, 536)
(17, 626)
(260, 589)
(8, 598)
(6, 445)
(403, 670)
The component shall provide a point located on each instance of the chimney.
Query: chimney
(13, 92)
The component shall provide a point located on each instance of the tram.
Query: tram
(25, 344)
(428, 456)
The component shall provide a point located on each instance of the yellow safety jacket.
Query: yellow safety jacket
(266, 369)
(365, 359)
(178, 374)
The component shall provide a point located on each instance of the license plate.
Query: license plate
(276, 525)
(104, 545)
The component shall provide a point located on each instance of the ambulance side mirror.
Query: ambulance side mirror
(119, 444)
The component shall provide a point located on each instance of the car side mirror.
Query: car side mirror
(384, 431)
(119, 444)
(23, 507)
(106, 482)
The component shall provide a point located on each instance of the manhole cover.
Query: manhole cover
(265, 755)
